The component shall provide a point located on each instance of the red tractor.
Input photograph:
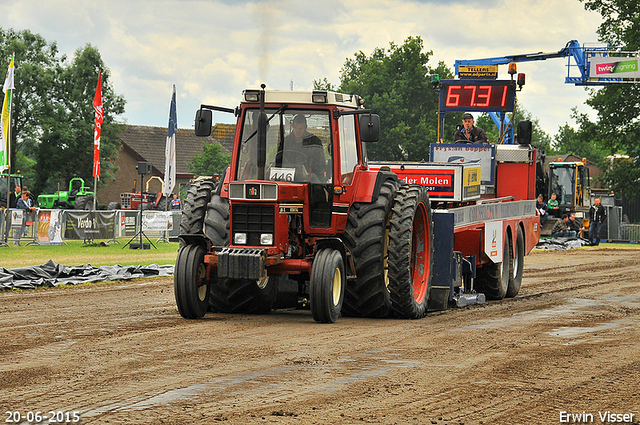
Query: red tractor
(300, 204)
(150, 200)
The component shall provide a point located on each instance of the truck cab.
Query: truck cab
(570, 182)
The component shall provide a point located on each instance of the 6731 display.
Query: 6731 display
(477, 95)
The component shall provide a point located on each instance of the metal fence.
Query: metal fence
(56, 226)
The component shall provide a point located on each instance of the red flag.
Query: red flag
(97, 105)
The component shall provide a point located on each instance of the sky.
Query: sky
(213, 49)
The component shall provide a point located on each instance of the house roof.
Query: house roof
(148, 144)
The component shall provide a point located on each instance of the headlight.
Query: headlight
(251, 96)
(240, 239)
(266, 239)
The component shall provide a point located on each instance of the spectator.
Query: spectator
(31, 195)
(175, 202)
(24, 204)
(575, 224)
(552, 206)
(541, 207)
(14, 196)
(597, 215)
(561, 229)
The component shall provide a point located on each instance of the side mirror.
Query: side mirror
(525, 130)
(369, 127)
(204, 118)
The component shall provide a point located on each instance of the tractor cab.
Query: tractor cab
(296, 151)
(6, 187)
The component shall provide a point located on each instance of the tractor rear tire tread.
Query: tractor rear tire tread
(195, 207)
(401, 252)
(365, 236)
(242, 296)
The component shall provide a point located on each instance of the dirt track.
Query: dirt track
(120, 353)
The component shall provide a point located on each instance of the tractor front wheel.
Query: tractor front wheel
(327, 285)
(190, 285)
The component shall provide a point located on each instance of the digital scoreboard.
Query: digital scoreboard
(477, 95)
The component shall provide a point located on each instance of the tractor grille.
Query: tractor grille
(253, 220)
(125, 201)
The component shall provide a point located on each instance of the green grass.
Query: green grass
(77, 254)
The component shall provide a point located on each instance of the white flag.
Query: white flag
(170, 149)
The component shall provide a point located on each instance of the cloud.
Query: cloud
(214, 49)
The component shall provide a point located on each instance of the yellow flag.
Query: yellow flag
(6, 119)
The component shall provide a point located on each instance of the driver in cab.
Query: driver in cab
(303, 148)
(468, 133)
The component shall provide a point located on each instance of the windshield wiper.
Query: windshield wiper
(279, 110)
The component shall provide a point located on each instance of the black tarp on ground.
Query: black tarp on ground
(52, 274)
(558, 244)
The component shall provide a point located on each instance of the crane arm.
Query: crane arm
(571, 49)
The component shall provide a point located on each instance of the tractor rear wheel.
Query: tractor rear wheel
(190, 284)
(366, 236)
(162, 203)
(515, 280)
(493, 280)
(410, 252)
(243, 295)
(195, 208)
(84, 202)
(326, 286)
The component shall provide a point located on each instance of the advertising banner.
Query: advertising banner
(493, 241)
(157, 221)
(482, 155)
(50, 227)
(128, 223)
(89, 224)
(16, 218)
(608, 67)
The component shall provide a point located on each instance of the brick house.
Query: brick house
(142, 143)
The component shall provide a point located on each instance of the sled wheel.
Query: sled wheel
(515, 280)
(190, 284)
(493, 279)
(410, 253)
(327, 286)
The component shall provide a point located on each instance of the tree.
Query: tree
(211, 162)
(53, 113)
(579, 142)
(67, 129)
(396, 84)
(539, 138)
(36, 65)
(618, 105)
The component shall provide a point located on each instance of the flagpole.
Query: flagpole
(97, 106)
(6, 211)
(8, 153)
